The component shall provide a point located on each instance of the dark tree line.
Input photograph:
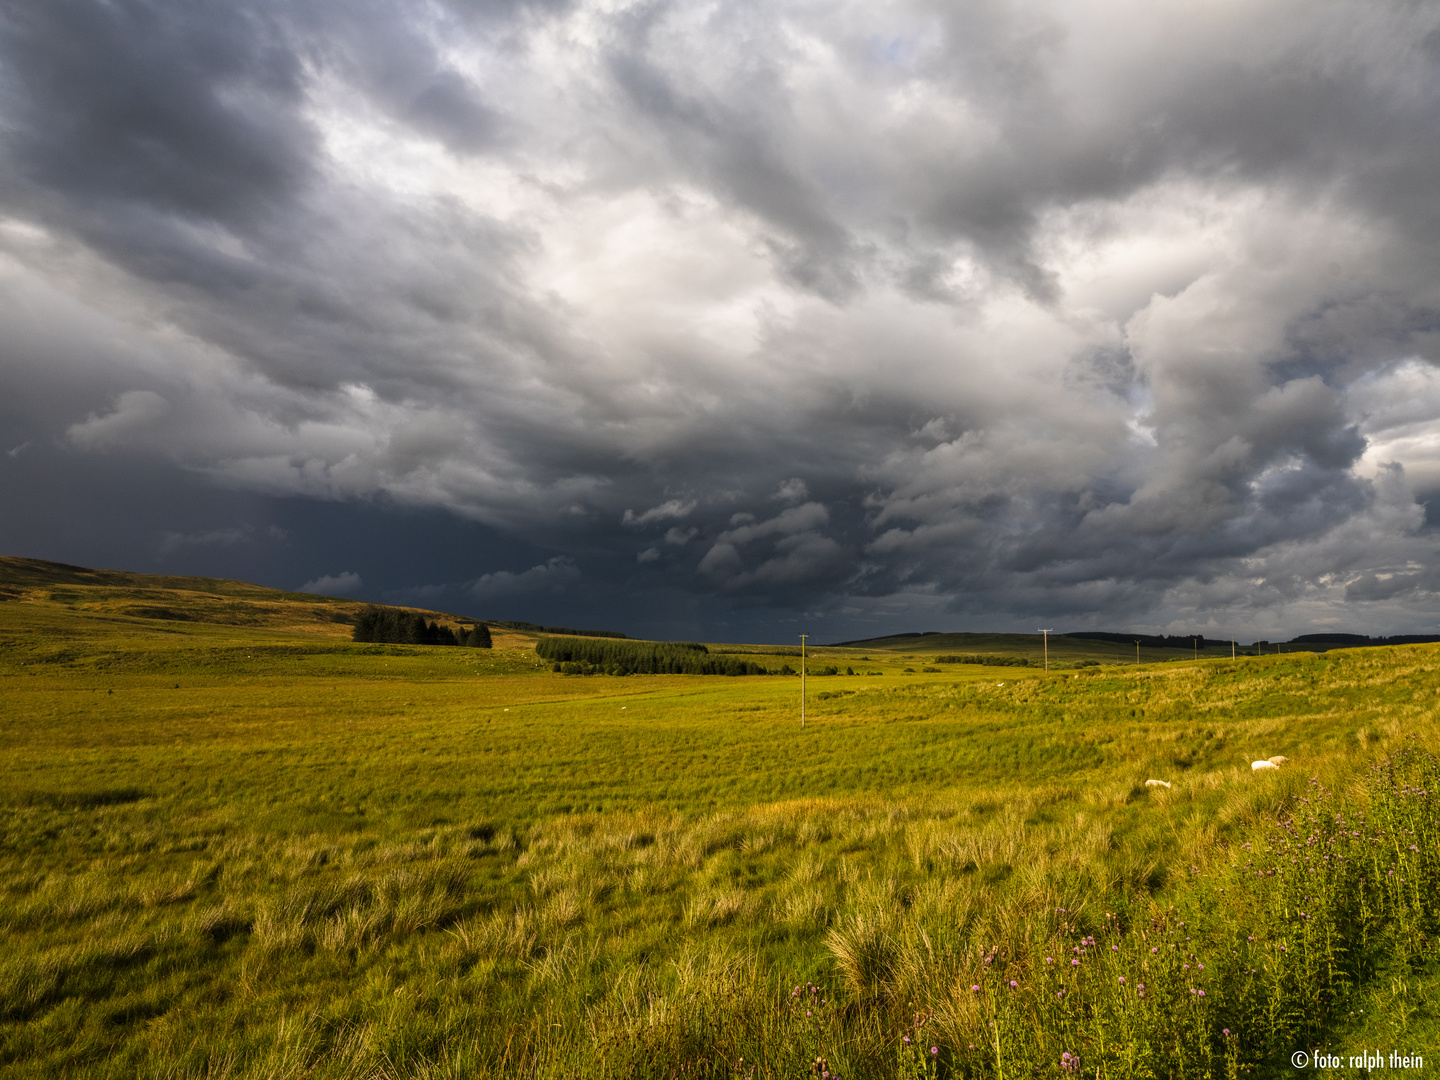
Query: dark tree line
(609, 656)
(1149, 641)
(988, 659)
(1362, 639)
(396, 626)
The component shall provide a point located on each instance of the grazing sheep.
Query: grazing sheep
(1157, 783)
(1279, 759)
(1257, 766)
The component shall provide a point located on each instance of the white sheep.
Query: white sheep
(1279, 759)
(1257, 766)
(1157, 783)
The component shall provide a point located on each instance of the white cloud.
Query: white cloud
(792, 491)
(135, 412)
(551, 577)
(342, 584)
(671, 508)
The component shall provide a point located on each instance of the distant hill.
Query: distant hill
(54, 593)
(1062, 650)
(1101, 644)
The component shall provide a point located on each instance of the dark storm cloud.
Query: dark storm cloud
(189, 110)
(986, 312)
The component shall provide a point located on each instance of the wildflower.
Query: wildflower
(905, 1038)
(974, 988)
(1074, 963)
(1200, 993)
(1049, 959)
(1122, 978)
(1224, 1031)
(1153, 950)
(934, 1049)
(1013, 984)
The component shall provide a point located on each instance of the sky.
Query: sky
(734, 320)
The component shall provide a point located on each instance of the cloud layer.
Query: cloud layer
(1094, 312)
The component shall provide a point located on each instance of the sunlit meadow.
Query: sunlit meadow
(263, 850)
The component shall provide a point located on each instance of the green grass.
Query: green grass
(261, 850)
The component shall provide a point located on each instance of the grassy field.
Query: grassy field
(236, 844)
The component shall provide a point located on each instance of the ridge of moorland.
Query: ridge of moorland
(259, 849)
(1121, 647)
(84, 600)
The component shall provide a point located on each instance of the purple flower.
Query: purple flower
(1200, 992)
(1049, 959)
(1122, 978)
(1224, 1031)
(1074, 963)
(934, 1049)
(1013, 984)
(974, 988)
(905, 1039)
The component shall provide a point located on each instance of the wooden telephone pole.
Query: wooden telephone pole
(802, 679)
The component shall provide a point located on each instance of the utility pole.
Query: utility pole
(1137, 651)
(802, 680)
(1195, 643)
(1046, 635)
(1232, 648)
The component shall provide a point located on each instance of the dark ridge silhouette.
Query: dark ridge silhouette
(536, 628)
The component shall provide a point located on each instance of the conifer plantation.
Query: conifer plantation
(397, 626)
